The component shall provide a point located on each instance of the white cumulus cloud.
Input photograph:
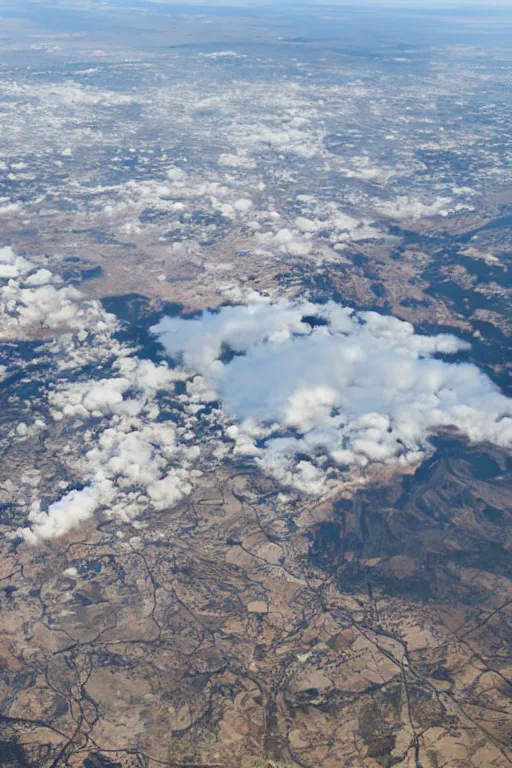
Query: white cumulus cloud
(313, 388)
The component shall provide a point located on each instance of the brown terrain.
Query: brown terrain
(233, 629)
(239, 630)
(242, 628)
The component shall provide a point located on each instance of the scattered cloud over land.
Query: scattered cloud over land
(125, 459)
(308, 392)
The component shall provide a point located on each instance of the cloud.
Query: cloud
(363, 168)
(128, 461)
(9, 209)
(124, 456)
(310, 393)
(286, 241)
(32, 299)
(240, 160)
(45, 306)
(64, 95)
(12, 265)
(222, 55)
(66, 513)
(41, 277)
(404, 207)
(315, 390)
(243, 204)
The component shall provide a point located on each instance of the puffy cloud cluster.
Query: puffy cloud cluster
(9, 208)
(56, 115)
(286, 241)
(333, 224)
(66, 513)
(314, 390)
(101, 395)
(229, 203)
(178, 196)
(32, 299)
(239, 160)
(222, 55)
(127, 393)
(12, 265)
(321, 228)
(65, 94)
(235, 201)
(363, 168)
(42, 307)
(130, 465)
(128, 460)
(404, 207)
(310, 392)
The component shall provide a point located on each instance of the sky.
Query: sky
(413, 5)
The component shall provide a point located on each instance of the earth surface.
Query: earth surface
(221, 547)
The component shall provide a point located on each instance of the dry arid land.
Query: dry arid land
(255, 423)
